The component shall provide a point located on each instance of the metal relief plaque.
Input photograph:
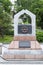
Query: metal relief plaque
(24, 29)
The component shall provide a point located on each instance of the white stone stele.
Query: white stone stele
(33, 23)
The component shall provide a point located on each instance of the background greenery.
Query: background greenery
(6, 17)
(39, 35)
(35, 6)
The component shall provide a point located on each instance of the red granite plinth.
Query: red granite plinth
(24, 38)
(34, 45)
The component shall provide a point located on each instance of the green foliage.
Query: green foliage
(6, 39)
(35, 6)
(39, 36)
(5, 23)
(9, 32)
(6, 4)
(5, 16)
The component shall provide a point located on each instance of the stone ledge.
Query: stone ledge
(26, 38)
(6, 56)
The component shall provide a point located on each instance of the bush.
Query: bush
(11, 32)
(7, 39)
(39, 36)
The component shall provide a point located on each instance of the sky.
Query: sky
(12, 1)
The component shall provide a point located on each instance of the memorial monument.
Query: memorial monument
(24, 45)
(24, 34)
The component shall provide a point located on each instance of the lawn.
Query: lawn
(6, 39)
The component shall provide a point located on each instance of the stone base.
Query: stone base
(14, 45)
(11, 57)
(25, 38)
(34, 45)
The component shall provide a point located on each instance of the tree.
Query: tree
(35, 6)
(5, 16)
(6, 4)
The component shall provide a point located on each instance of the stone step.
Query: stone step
(6, 56)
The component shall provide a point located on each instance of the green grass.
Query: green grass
(6, 39)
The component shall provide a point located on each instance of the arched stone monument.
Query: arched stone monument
(24, 45)
(24, 34)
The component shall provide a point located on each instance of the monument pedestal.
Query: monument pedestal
(24, 38)
(14, 52)
(34, 45)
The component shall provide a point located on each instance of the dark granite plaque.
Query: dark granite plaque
(24, 44)
(24, 29)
